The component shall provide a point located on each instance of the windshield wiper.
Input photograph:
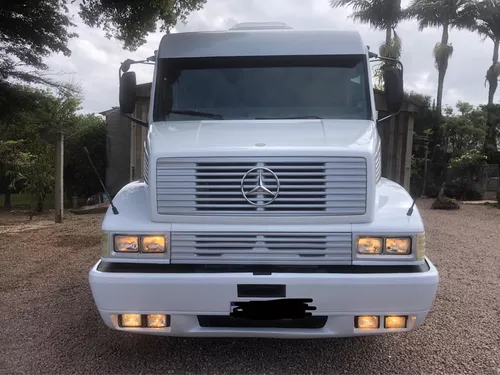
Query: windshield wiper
(289, 118)
(191, 112)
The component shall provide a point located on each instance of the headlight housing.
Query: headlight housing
(153, 244)
(367, 245)
(398, 246)
(126, 244)
(140, 244)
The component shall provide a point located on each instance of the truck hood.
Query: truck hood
(241, 136)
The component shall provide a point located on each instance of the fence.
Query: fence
(490, 176)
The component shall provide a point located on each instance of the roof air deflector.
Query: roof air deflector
(260, 26)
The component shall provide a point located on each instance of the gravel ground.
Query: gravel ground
(49, 323)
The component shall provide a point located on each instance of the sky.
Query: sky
(95, 60)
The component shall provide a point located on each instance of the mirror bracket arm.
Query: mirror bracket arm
(136, 120)
(389, 116)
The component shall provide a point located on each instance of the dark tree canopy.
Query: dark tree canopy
(29, 31)
(131, 21)
(380, 14)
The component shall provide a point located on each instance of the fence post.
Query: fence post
(59, 188)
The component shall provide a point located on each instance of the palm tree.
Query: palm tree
(488, 26)
(445, 14)
(381, 15)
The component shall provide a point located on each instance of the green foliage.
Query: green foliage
(422, 100)
(27, 140)
(464, 108)
(436, 13)
(442, 53)
(35, 172)
(380, 14)
(131, 21)
(465, 131)
(470, 159)
(79, 177)
(393, 48)
(487, 18)
(29, 31)
(444, 14)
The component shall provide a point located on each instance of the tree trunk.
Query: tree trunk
(8, 200)
(442, 67)
(490, 75)
(490, 141)
(388, 38)
(39, 202)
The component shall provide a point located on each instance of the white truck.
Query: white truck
(263, 212)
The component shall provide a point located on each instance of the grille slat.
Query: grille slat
(145, 171)
(261, 248)
(307, 186)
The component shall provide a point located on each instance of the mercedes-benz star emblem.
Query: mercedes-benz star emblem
(252, 194)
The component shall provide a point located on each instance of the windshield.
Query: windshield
(329, 87)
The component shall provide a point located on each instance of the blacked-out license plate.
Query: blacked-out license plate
(285, 308)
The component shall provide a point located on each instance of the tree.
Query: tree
(29, 31)
(381, 15)
(465, 131)
(131, 21)
(79, 177)
(28, 139)
(488, 26)
(445, 14)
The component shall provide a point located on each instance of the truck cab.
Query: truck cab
(263, 211)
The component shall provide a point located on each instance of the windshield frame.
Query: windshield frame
(160, 114)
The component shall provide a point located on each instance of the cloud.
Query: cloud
(95, 59)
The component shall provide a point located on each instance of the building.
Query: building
(125, 148)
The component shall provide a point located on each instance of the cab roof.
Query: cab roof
(261, 39)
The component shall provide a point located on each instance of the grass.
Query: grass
(24, 200)
(495, 205)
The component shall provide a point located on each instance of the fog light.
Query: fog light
(157, 320)
(131, 320)
(395, 321)
(366, 322)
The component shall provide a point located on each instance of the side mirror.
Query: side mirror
(393, 87)
(128, 87)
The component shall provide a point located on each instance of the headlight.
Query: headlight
(398, 246)
(369, 245)
(153, 244)
(366, 245)
(126, 244)
(143, 244)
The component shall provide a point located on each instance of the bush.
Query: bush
(454, 190)
(432, 191)
(473, 195)
(79, 177)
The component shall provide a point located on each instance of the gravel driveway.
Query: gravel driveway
(49, 323)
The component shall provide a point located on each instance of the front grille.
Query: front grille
(261, 248)
(307, 186)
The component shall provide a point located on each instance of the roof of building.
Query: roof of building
(261, 40)
(109, 111)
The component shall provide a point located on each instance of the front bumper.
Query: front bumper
(338, 297)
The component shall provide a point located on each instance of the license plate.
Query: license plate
(287, 308)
